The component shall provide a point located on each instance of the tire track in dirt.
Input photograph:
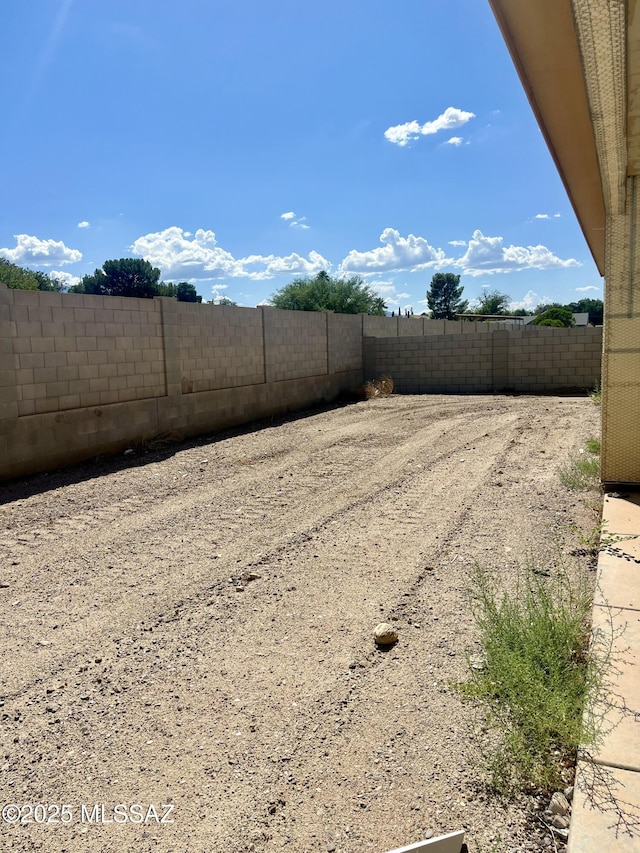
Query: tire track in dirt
(99, 576)
(241, 694)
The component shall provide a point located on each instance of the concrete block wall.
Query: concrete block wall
(537, 360)
(345, 342)
(379, 327)
(295, 344)
(73, 350)
(548, 359)
(221, 346)
(83, 375)
(446, 364)
(410, 326)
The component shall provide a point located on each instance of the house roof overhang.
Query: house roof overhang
(542, 39)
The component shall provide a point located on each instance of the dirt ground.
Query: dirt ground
(193, 627)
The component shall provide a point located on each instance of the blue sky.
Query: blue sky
(240, 144)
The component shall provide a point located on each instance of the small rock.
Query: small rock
(128, 451)
(568, 792)
(4, 585)
(560, 821)
(384, 634)
(562, 833)
(251, 576)
(559, 804)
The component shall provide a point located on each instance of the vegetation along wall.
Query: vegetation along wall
(82, 375)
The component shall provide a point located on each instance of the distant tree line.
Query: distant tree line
(444, 299)
(19, 278)
(124, 277)
(137, 277)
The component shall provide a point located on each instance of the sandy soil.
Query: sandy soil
(194, 627)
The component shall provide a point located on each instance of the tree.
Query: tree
(492, 302)
(444, 296)
(166, 288)
(323, 293)
(545, 306)
(554, 317)
(223, 300)
(594, 307)
(20, 278)
(187, 293)
(125, 277)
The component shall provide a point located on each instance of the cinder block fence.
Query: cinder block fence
(84, 375)
(533, 360)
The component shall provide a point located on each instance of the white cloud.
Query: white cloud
(542, 216)
(45, 253)
(455, 140)
(388, 291)
(556, 215)
(84, 224)
(452, 117)
(295, 222)
(483, 256)
(396, 253)
(487, 255)
(180, 257)
(528, 302)
(65, 277)
(297, 264)
(588, 289)
(201, 258)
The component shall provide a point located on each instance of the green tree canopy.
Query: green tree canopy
(323, 293)
(20, 278)
(593, 307)
(125, 277)
(187, 293)
(545, 306)
(444, 296)
(554, 317)
(492, 302)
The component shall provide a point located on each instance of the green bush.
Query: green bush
(537, 677)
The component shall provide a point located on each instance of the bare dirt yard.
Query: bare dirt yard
(193, 627)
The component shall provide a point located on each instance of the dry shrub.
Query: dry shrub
(382, 387)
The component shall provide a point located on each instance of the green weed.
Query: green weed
(582, 472)
(593, 446)
(538, 677)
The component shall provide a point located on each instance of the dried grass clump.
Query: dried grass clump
(382, 387)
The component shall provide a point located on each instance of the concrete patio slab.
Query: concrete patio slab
(619, 577)
(621, 744)
(605, 803)
(622, 514)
